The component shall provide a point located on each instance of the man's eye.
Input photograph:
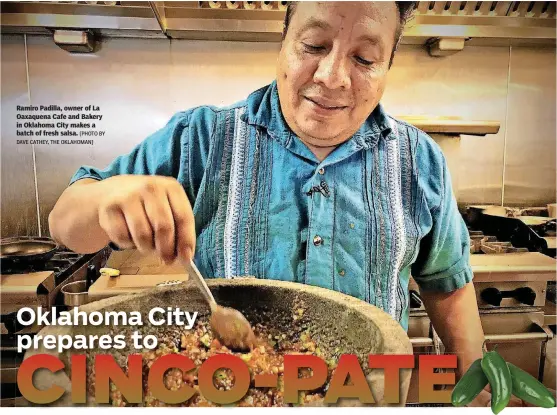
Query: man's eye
(363, 61)
(313, 48)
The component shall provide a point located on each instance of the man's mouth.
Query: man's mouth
(326, 104)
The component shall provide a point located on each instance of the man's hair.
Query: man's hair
(405, 11)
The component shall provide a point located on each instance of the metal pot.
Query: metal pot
(75, 293)
(334, 320)
(27, 250)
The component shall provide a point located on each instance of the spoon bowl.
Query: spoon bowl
(230, 326)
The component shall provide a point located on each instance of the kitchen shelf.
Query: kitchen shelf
(452, 126)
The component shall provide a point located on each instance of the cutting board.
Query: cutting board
(17, 290)
(106, 286)
(133, 262)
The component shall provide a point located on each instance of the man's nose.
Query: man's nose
(333, 72)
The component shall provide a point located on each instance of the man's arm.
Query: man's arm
(462, 333)
(78, 228)
(456, 319)
(135, 202)
(442, 269)
(443, 272)
(149, 213)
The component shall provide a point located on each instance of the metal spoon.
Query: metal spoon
(230, 326)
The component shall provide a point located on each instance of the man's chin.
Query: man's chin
(321, 141)
(321, 136)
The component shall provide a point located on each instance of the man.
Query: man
(308, 180)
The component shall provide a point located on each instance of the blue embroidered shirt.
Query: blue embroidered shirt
(378, 209)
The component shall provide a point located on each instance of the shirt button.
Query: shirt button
(321, 170)
(341, 273)
(317, 240)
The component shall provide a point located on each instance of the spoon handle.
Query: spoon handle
(200, 282)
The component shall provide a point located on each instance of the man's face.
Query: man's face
(332, 67)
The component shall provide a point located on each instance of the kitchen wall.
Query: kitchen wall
(140, 83)
(18, 197)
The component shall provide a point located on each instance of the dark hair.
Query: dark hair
(405, 11)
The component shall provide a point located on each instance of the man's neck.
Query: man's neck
(321, 152)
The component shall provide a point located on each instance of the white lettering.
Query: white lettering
(24, 341)
(42, 318)
(115, 318)
(92, 341)
(77, 314)
(191, 319)
(95, 318)
(152, 316)
(64, 342)
(36, 341)
(136, 337)
(135, 319)
(119, 341)
(49, 342)
(105, 342)
(150, 342)
(20, 316)
(65, 319)
(80, 342)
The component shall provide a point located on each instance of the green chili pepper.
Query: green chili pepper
(470, 385)
(529, 389)
(499, 377)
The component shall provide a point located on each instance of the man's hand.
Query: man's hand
(150, 213)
